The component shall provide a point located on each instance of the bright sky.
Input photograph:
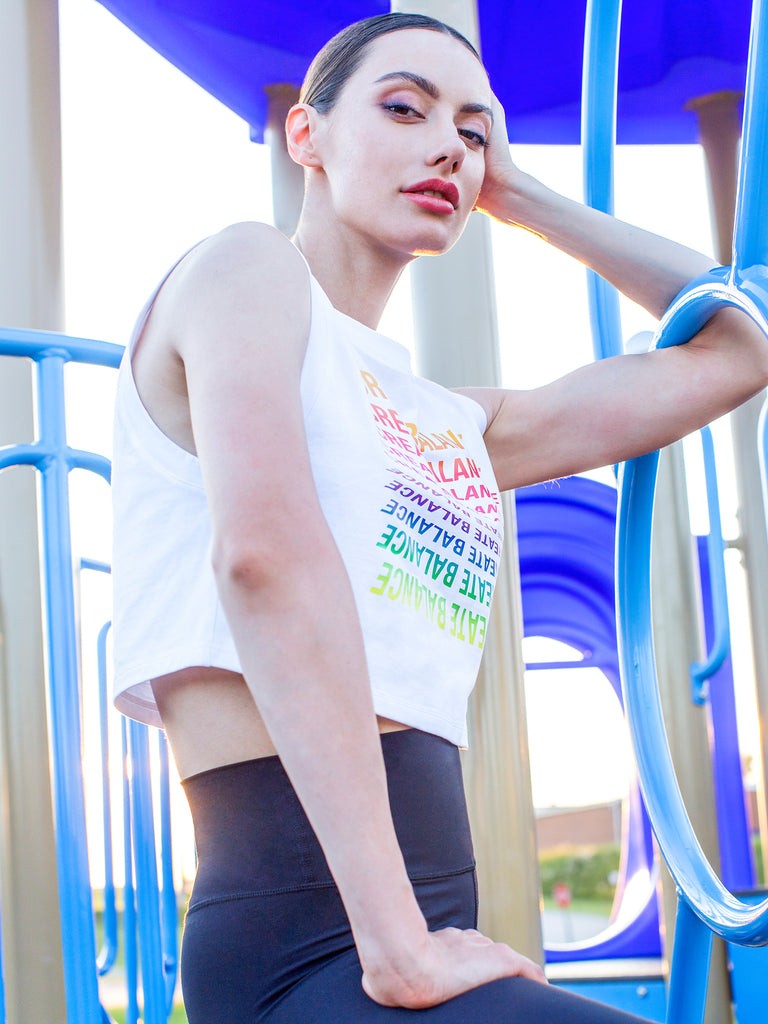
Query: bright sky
(152, 164)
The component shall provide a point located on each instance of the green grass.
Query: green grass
(177, 1017)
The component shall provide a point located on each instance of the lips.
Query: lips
(434, 194)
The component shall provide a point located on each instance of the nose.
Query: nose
(448, 148)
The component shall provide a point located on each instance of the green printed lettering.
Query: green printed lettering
(441, 613)
(386, 537)
(481, 638)
(473, 624)
(393, 594)
(383, 579)
(399, 534)
(450, 573)
(438, 566)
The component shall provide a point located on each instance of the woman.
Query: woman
(305, 541)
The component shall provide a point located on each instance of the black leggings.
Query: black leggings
(266, 938)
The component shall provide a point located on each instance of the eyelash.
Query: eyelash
(403, 109)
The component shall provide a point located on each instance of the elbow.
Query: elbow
(242, 566)
(264, 565)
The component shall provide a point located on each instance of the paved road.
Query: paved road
(570, 926)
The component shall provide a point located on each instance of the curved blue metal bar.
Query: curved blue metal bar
(90, 461)
(699, 886)
(39, 344)
(598, 139)
(721, 645)
(750, 239)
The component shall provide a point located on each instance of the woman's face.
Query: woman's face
(403, 149)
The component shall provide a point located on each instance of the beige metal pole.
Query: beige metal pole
(30, 296)
(287, 176)
(719, 130)
(459, 346)
(677, 641)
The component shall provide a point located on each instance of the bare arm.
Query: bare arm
(242, 319)
(617, 408)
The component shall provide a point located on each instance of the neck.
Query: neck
(357, 276)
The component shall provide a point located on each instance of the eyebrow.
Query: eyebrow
(431, 89)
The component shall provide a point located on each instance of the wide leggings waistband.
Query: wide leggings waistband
(252, 834)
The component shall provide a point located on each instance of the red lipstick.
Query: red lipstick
(434, 194)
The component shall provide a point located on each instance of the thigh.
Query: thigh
(334, 994)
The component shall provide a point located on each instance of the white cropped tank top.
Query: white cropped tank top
(407, 489)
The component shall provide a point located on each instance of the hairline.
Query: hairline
(310, 86)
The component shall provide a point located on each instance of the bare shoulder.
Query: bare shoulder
(246, 273)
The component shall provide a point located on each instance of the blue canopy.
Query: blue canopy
(672, 51)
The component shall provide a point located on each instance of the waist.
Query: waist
(252, 834)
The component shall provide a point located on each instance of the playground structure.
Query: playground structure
(52, 456)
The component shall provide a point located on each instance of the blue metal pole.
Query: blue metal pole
(750, 240)
(129, 895)
(598, 139)
(169, 907)
(689, 974)
(108, 952)
(147, 891)
(64, 700)
(721, 641)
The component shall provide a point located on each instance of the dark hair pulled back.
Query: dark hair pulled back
(343, 54)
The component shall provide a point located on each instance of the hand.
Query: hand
(451, 962)
(501, 174)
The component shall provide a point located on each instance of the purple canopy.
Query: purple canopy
(672, 51)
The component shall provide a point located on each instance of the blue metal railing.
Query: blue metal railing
(147, 910)
(599, 92)
(705, 906)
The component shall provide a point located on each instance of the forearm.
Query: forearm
(616, 409)
(300, 644)
(645, 267)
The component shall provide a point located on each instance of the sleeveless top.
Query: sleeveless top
(407, 490)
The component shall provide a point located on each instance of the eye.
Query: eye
(401, 109)
(475, 138)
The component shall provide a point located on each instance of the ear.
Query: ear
(301, 133)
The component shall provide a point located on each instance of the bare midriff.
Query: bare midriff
(211, 719)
